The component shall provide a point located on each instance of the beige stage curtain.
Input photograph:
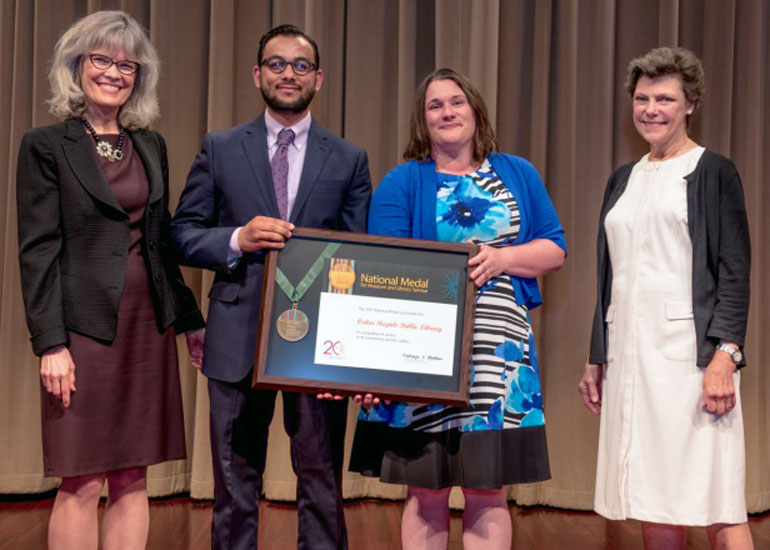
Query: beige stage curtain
(551, 72)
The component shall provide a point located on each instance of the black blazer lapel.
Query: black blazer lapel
(315, 158)
(255, 147)
(150, 155)
(79, 150)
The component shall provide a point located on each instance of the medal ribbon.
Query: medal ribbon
(295, 294)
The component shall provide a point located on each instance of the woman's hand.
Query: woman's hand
(195, 340)
(590, 387)
(718, 389)
(367, 401)
(489, 263)
(57, 371)
(529, 260)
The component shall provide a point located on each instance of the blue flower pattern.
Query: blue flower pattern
(493, 420)
(509, 351)
(523, 395)
(466, 211)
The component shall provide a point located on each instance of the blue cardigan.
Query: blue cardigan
(404, 205)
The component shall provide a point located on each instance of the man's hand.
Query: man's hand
(329, 396)
(262, 232)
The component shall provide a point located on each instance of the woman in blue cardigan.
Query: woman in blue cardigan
(454, 188)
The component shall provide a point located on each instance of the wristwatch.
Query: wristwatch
(735, 354)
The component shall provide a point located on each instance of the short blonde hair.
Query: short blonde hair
(111, 30)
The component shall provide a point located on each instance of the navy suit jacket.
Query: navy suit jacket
(229, 183)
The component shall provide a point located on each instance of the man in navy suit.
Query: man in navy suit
(230, 215)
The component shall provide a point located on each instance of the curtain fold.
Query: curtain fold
(551, 72)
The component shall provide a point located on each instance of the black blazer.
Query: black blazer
(73, 238)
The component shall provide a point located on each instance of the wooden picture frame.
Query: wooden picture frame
(402, 329)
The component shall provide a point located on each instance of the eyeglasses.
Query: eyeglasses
(278, 64)
(103, 62)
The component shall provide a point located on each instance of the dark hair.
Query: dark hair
(419, 147)
(669, 61)
(286, 30)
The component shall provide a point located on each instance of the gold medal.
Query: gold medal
(292, 325)
(342, 275)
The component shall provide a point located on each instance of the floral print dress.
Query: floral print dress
(505, 385)
(505, 394)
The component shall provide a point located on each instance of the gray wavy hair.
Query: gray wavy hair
(111, 30)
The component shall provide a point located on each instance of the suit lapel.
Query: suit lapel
(151, 159)
(79, 150)
(315, 158)
(255, 148)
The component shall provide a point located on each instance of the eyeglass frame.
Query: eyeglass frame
(115, 62)
(311, 66)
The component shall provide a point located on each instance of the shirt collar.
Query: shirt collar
(301, 131)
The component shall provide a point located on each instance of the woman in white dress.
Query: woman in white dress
(670, 321)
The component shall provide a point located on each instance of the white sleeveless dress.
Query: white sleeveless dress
(662, 458)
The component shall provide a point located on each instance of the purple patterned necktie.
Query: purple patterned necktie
(279, 166)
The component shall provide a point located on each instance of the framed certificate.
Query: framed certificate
(353, 313)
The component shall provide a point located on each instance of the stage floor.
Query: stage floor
(180, 523)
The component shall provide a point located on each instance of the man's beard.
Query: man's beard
(296, 106)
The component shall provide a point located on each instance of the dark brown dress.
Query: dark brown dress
(127, 410)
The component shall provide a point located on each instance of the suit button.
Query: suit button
(150, 209)
(157, 277)
(151, 245)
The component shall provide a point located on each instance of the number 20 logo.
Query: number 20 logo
(332, 348)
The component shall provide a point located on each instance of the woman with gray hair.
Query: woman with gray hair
(670, 323)
(103, 298)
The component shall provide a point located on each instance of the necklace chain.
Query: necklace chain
(104, 149)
